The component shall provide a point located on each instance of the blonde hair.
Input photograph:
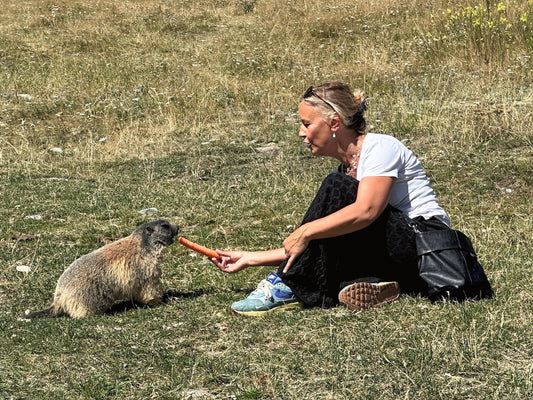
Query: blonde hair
(337, 98)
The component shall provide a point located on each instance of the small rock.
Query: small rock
(196, 394)
(148, 211)
(268, 148)
(35, 217)
(23, 268)
(24, 96)
(56, 150)
(173, 326)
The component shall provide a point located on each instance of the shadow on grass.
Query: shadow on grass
(168, 297)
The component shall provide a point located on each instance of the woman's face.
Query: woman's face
(314, 130)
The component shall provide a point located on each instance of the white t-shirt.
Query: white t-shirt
(384, 155)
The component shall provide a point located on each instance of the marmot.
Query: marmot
(122, 270)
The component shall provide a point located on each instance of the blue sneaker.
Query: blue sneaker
(270, 295)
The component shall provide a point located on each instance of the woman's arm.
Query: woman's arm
(372, 198)
(234, 261)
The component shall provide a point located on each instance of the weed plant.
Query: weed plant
(190, 108)
(486, 31)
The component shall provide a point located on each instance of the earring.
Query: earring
(331, 127)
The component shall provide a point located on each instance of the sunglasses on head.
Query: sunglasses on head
(311, 92)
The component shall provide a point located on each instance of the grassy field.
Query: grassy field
(190, 107)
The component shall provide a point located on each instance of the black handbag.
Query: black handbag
(449, 266)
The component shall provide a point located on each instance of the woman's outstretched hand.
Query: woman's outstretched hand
(294, 245)
(231, 261)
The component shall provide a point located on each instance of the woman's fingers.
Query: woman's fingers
(288, 265)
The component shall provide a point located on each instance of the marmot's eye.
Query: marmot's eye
(150, 229)
(166, 226)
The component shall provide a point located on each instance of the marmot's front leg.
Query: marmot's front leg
(150, 294)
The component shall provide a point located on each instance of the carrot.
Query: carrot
(198, 248)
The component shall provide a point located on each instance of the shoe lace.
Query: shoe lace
(265, 287)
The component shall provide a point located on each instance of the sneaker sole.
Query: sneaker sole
(282, 308)
(363, 295)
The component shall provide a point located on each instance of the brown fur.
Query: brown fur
(127, 269)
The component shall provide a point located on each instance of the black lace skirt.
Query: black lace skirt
(383, 251)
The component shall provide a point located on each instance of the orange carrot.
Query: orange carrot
(198, 248)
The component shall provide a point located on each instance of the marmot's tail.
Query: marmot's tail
(49, 312)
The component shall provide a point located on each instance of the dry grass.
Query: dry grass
(190, 107)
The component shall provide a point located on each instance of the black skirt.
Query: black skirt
(383, 251)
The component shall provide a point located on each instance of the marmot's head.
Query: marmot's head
(156, 234)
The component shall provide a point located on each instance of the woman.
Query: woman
(356, 242)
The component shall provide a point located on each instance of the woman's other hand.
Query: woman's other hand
(294, 245)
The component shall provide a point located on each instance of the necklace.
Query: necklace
(352, 169)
